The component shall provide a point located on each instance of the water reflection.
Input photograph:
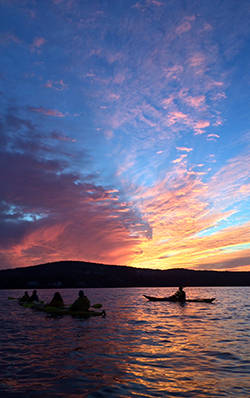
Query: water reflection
(145, 349)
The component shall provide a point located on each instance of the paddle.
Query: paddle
(92, 306)
(96, 306)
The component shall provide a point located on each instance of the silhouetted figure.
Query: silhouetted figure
(57, 301)
(34, 297)
(180, 295)
(81, 304)
(25, 297)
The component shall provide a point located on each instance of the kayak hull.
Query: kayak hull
(171, 299)
(67, 311)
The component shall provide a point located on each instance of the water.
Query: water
(141, 349)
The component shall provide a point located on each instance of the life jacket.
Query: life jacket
(81, 304)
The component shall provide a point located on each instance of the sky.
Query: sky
(124, 133)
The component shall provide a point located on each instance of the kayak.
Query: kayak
(31, 304)
(67, 311)
(40, 306)
(172, 299)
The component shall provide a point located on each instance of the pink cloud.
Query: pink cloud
(173, 72)
(59, 86)
(212, 137)
(206, 27)
(219, 96)
(184, 149)
(176, 116)
(7, 37)
(195, 102)
(168, 101)
(185, 26)
(180, 159)
(197, 60)
(37, 43)
(47, 112)
(114, 96)
(73, 217)
(61, 137)
(200, 126)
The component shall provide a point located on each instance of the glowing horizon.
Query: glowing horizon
(125, 133)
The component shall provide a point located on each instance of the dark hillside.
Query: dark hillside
(70, 274)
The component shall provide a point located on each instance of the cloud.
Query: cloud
(47, 112)
(8, 37)
(180, 159)
(177, 116)
(50, 213)
(61, 137)
(190, 219)
(184, 149)
(59, 86)
(37, 43)
(212, 137)
(195, 102)
(148, 84)
(197, 60)
(185, 26)
(200, 126)
(173, 72)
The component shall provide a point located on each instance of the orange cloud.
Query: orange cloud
(179, 210)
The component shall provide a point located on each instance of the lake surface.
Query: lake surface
(141, 349)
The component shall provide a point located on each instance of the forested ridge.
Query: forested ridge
(71, 274)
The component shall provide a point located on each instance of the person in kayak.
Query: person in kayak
(180, 295)
(82, 303)
(34, 297)
(25, 297)
(57, 301)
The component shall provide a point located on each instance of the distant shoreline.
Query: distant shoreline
(81, 274)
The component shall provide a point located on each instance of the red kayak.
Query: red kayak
(173, 299)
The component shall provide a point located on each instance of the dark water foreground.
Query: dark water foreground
(141, 349)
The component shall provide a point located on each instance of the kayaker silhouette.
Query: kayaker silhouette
(82, 303)
(25, 297)
(57, 301)
(180, 295)
(34, 297)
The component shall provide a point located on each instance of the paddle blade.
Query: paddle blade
(96, 306)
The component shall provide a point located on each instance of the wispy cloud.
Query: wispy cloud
(185, 25)
(47, 112)
(37, 43)
(59, 86)
(179, 210)
(184, 149)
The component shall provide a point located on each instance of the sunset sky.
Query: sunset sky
(125, 131)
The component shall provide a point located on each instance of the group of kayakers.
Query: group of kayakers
(29, 299)
(82, 303)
